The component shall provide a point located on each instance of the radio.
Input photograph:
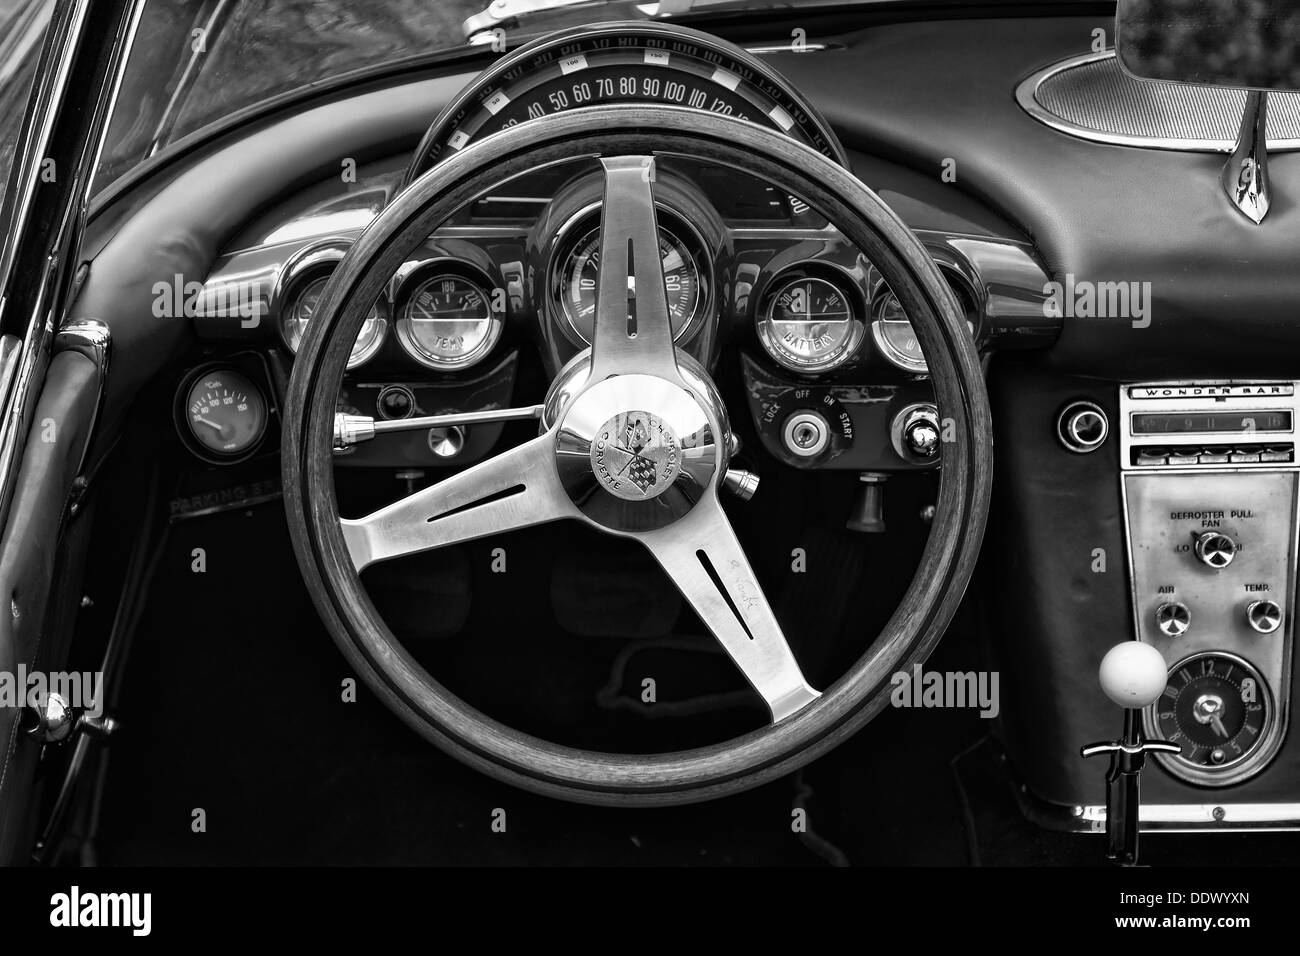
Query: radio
(1209, 484)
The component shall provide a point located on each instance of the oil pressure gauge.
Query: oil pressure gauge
(223, 415)
(810, 323)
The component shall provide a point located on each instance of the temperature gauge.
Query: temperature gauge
(449, 322)
(225, 414)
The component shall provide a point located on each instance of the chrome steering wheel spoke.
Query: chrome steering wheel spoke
(516, 489)
(704, 558)
(633, 330)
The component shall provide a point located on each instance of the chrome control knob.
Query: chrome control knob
(1082, 427)
(915, 433)
(1173, 619)
(1264, 616)
(1215, 549)
(53, 719)
(741, 483)
(446, 441)
(922, 438)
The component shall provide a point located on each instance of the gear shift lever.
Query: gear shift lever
(1133, 675)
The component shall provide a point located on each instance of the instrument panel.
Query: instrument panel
(515, 272)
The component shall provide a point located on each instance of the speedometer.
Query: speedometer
(630, 62)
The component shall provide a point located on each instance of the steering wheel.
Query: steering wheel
(635, 445)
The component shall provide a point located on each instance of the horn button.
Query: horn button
(636, 452)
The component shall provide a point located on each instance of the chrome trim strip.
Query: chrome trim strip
(1195, 817)
(22, 388)
(1027, 97)
(93, 339)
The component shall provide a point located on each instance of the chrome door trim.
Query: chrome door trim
(67, 37)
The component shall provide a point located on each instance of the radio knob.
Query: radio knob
(1173, 619)
(1264, 616)
(1215, 549)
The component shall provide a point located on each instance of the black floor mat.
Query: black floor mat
(233, 705)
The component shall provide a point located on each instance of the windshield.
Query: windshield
(195, 62)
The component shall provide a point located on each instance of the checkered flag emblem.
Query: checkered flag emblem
(641, 471)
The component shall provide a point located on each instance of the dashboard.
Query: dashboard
(1091, 451)
(834, 375)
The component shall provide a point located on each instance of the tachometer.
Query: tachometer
(580, 277)
(629, 62)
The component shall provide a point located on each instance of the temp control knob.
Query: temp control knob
(1264, 616)
(1215, 549)
(1173, 619)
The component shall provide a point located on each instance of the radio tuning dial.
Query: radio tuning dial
(1215, 549)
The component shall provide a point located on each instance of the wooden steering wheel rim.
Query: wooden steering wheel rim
(708, 772)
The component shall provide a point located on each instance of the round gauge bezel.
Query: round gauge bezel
(415, 280)
(318, 261)
(894, 355)
(584, 221)
(185, 428)
(830, 274)
(1243, 767)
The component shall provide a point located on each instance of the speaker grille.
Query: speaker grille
(1093, 98)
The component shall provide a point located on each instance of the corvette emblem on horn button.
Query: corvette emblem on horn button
(636, 455)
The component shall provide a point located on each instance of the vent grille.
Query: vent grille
(1093, 98)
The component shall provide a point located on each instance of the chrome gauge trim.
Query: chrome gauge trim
(892, 353)
(316, 261)
(1251, 761)
(421, 276)
(672, 221)
(827, 274)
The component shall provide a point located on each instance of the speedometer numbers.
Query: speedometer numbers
(630, 62)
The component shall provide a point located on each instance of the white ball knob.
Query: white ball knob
(1133, 674)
